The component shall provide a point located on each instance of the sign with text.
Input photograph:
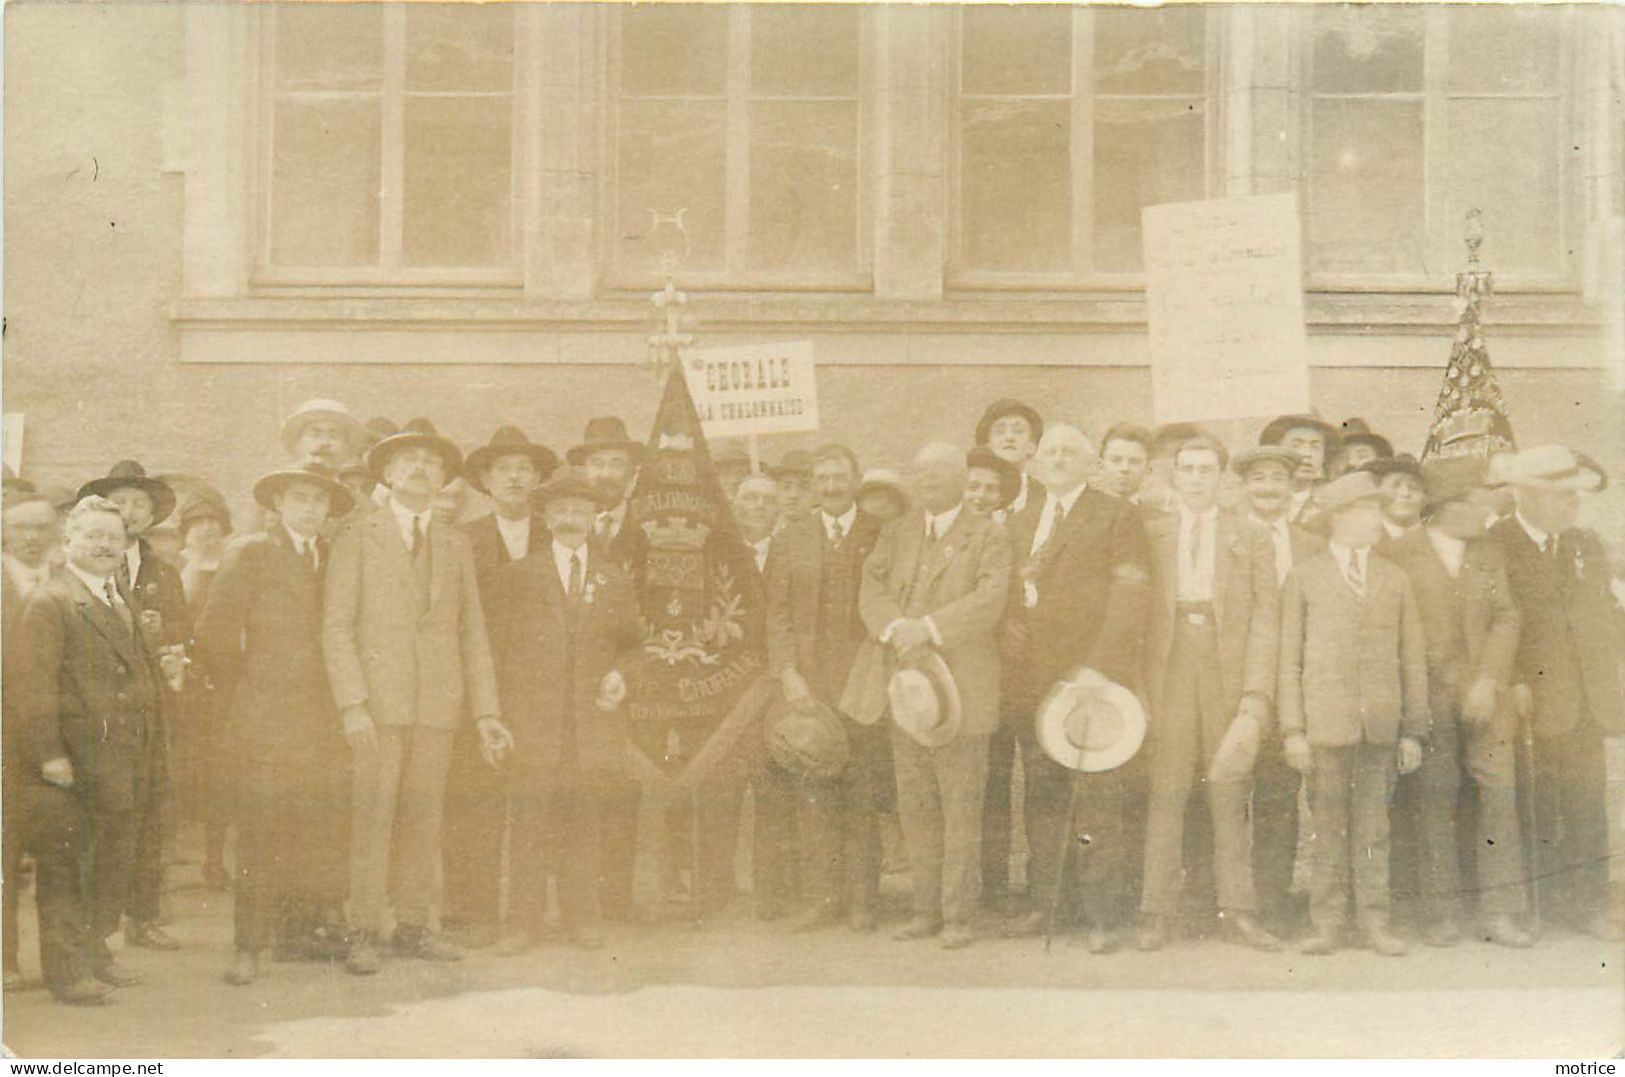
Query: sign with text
(1224, 305)
(753, 389)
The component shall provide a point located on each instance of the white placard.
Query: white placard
(753, 389)
(1224, 304)
(11, 428)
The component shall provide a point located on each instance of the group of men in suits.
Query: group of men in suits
(401, 697)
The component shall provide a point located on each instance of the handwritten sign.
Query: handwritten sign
(753, 389)
(1224, 303)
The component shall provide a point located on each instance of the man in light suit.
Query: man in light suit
(938, 578)
(1353, 708)
(409, 660)
(1210, 676)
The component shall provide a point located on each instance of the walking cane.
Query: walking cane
(1060, 871)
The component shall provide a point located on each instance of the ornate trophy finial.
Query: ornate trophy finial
(1470, 418)
(669, 233)
(1475, 235)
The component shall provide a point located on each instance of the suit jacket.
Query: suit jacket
(491, 554)
(1093, 593)
(551, 659)
(410, 664)
(259, 639)
(962, 587)
(1469, 620)
(1568, 651)
(11, 653)
(157, 586)
(800, 631)
(1352, 669)
(1246, 611)
(84, 686)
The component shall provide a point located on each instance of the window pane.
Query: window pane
(1146, 152)
(1366, 211)
(1016, 185)
(1159, 51)
(672, 156)
(674, 49)
(1505, 50)
(1016, 50)
(1372, 49)
(1518, 192)
(459, 47)
(457, 179)
(803, 186)
(800, 49)
(329, 46)
(324, 183)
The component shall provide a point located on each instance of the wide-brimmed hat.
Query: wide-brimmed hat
(1093, 728)
(1247, 459)
(508, 441)
(925, 700)
(808, 741)
(569, 481)
(1403, 464)
(1008, 406)
(416, 432)
(1449, 478)
(886, 480)
(1552, 467)
(130, 474)
(311, 410)
(605, 432)
(1358, 432)
(1009, 475)
(1275, 430)
(312, 472)
(377, 429)
(200, 505)
(793, 462)
(1345, 490)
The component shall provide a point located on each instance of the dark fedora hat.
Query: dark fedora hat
(1359, 432)
(416, 432)
(129, 474)
(508, 441)
(569, 482)
(605, 432)
(1275, 430)
(1008, 406)
(313, 472)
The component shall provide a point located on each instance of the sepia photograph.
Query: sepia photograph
(800, 530)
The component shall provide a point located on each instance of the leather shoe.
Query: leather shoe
(918, 928)
(861, 921)
(1320, 942)
(956, 937)
(149, 936)
(817, 918)
(1604, 927)
(83, 993)
(1442, 933)
(363, 958)
(1153, 934)
(115, 975)
(1501, 930)
(1383, 942)
(1025, 926)
(245, 969)
(1241, 928)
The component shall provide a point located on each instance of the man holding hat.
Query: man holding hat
(159, 600)
(259, 638)
(1353, 701)
(1566, 679)
(323, 430)
(933, 592)
(1012, 430)
(1313, 440)
(508, 469)
(570, 620)
(408, 658)
(1471, 625)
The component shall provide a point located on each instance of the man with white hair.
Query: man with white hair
(1077, 610)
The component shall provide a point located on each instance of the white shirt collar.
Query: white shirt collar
(1536, 535)
(561, 561)
(1279, 524)
(1451, 550)
(843, 521)
(1066, 500)
(943, 521)
(1393, 529)
(616, 517)
(404, 517)
(97, 587)
(1207, 515)
(132, 558)
(1341, 554)
(301, 543)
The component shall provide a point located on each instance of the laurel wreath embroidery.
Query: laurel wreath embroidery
(703, 642)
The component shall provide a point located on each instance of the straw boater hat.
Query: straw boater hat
(1001, 408)
(332, 410)
(1009, 475)
(128, 474)
(925, 700)
(415, 432)
(1552, 467)
(807, 741)
(508, 441)
(569, 482)
(884, 479)
(312, 472)
(1245, 461)
(605, 432)
(1092, 729)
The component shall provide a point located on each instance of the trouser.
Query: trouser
(1099, 834)
(59, 835)
(475, 810)
(12, 838)
(1275, 831)
(1349, 791)
(840, 828)
(618, 800)
(998, 811)
(939, 803)
(153, 804)
(557, 819)
(1568, 803)
(1178, 760)
(291, 825)
(713, 833)
(397, 792)
(773, 840)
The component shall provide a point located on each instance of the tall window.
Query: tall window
(1417, 115)
(748, 121)
(1069, 122)
(390, 148)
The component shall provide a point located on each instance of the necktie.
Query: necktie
(601, 526)
(575, 577)
(1353, 574)
(1193, 553)
(834, 531)
(417, 535)
(124, 573)
(116, 604)
(310, 554)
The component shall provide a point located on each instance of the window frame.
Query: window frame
(1081, 274)
(737, 98)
